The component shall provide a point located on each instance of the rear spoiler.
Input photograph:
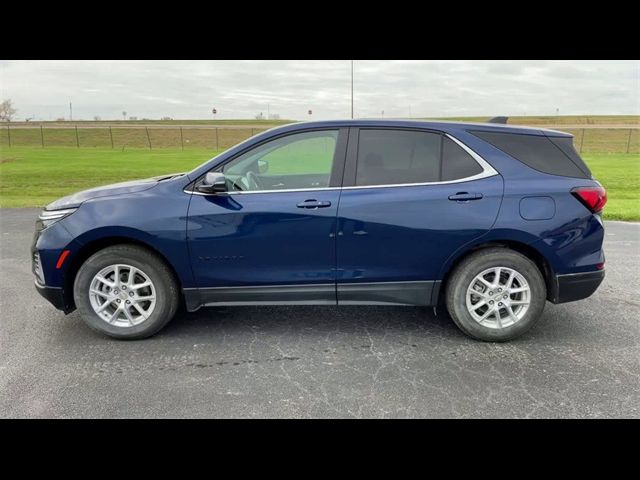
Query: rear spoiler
(498, 120)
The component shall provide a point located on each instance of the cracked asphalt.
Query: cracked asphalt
(581, 360)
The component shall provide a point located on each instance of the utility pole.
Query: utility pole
(268, 111)
(352, 89)
(70, 111)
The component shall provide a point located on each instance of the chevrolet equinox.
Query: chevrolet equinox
(488, 220)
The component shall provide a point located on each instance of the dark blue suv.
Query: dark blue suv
(489, 220)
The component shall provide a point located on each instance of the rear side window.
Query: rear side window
(456, 162)
(542, 153)
(394, 157)
(388, 157)
(566, 145)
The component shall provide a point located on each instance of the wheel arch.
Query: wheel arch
(98, 244)
(525, 249)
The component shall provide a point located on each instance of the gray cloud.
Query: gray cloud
(242, 89)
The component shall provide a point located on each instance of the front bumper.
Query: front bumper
(55, 296)
(575, 286)
(50, 282)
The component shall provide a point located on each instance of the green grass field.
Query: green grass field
(33, 177)
(620, 175)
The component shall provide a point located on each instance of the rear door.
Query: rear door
(410, 199)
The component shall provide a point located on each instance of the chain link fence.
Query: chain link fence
(586, 140)
(117, 137)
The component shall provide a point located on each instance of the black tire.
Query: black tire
(167, 292)
(474, 264)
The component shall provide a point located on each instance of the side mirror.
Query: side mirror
(214, 182)
(263, 166)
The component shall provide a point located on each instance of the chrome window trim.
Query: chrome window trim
(319, 189)
(487, 171)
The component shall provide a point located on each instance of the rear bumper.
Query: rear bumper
(575, 286)
(55, 296)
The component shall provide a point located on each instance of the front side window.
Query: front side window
(302, 160)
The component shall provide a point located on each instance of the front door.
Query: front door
(411, 199)
(271, 237)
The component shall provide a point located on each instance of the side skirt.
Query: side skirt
(323, 294)
(373, 293)
(387, 293)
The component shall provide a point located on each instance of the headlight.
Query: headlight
(49, 217)
(36, 267)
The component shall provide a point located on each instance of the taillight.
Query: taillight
(594, 198)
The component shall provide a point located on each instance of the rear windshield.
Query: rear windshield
(553, 155)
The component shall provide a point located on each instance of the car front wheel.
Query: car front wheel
(126, 292)
(496, 294)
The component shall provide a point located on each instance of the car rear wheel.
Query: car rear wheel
(496, 294)
(126, 291)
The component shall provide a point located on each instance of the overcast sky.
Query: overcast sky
(243, 89)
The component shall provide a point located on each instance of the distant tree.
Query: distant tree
(166, 118)
(7, 111)
(260, 116)
(96, 118)
(124, 115)
(274, 116)
(133, 118)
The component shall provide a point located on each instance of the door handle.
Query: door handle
(313, 204)
(465, 196)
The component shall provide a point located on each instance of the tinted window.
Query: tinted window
(456, 162)
(538, 152)
(393, 156)
(302, 160)
(566, 145)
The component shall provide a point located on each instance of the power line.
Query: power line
(352, 89)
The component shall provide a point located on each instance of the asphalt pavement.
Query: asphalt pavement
(581, 359)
